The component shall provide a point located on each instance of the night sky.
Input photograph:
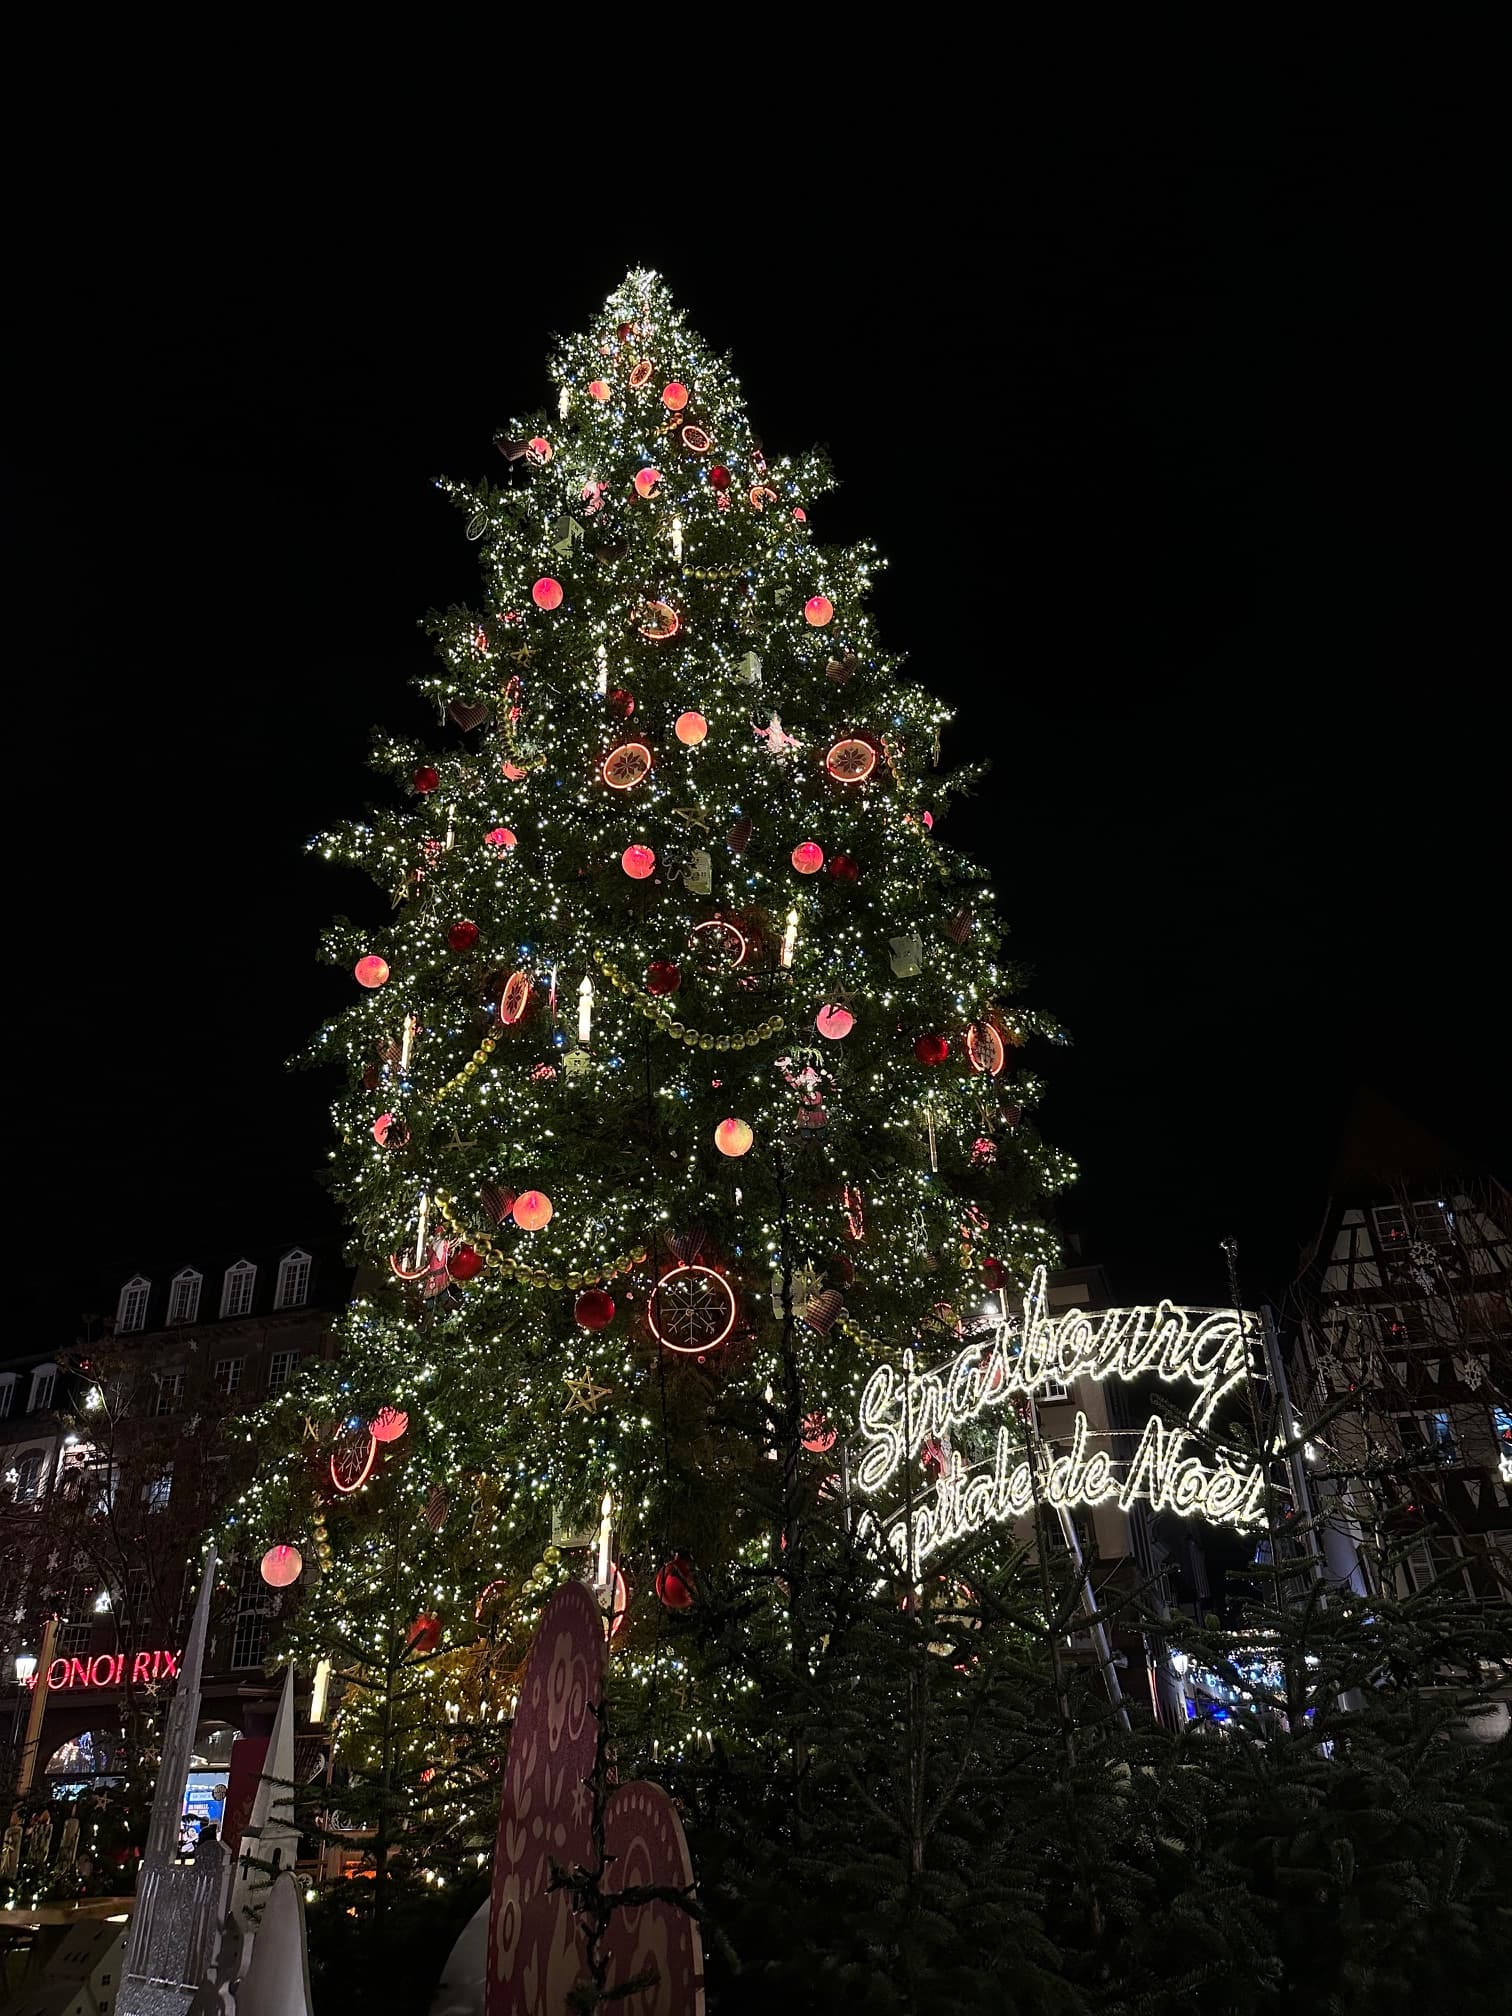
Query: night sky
(1180, 454)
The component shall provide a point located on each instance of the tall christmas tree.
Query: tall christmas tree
(688, 1069)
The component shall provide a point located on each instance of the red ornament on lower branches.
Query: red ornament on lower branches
(931, 1049)
(594, 1309)
(424, 1634)
(675, 1585)
(463, 1262)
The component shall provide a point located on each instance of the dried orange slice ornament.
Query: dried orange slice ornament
(851, 760)
(627, 765)
(658, 621)
(984, 1048)
(694, 438)
(640, 374)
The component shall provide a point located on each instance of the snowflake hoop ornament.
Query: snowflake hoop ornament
(692, 1309)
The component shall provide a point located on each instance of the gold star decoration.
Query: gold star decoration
(584, 1396)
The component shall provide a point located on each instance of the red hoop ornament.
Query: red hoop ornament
(353, 1458)
(721, 938)
(696, 441)
(388, 1424)
(851, 760)
(984, 1048)
(692, 1309)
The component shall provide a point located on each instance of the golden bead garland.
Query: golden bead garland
(470, 1069)
(665, 1018)
(519, 1270)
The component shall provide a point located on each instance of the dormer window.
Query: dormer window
(293, 1281)
(184, 1296)
(131, 1310)
(236, 1289)
(7, 1393)
(43, 1380)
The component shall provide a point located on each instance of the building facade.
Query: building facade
(1404, 1329)
(117, 1452)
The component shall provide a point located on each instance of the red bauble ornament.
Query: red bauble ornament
(719, 477)
(817, 1434)
(834, 1021)
(463, 935)
(388, 1424)
(463, 1262)
(818, 610)
(547, 594)
(371, 971)
(426, 779)
(931, 1049)
(662, 977)
(807, 857)
(618, 701)
(500, 837)
(424, 1634)
(594, 1309)
(674, 397)
(638, 862)
(675, 1587)
(389, 1132)
(994, 1274)
(281, 1565)
(842, 868)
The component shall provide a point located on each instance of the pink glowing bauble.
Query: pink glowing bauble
(464, 1263)
(594, 1309)
(818, 1436)
(690, 728)
(463, 935)
(800, 515)
(387, 1130)
(282, 1566)
(371, 971)
(499, 837)
(547, 594)
(807, 857)
(598, 390)
(512, 771)
(532, 1210)
(539, 449)
(426, 779)
(388, 1424)
(674, 397)
(733, 1137)
(818, 610)
(638, 862)
(647, 481)
(834, 1021)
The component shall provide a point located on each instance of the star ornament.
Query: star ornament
(583, 1395)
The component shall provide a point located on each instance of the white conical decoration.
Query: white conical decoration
(270, 1840)
(277, 1982)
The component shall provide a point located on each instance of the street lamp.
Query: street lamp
(26, 1667)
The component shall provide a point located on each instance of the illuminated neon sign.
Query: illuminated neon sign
(108, 1669)
(902, 1410)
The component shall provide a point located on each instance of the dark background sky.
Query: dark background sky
(1177, 438)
